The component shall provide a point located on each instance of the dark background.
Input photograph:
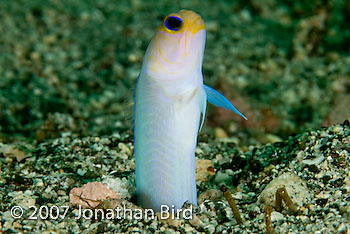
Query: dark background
(71, 66)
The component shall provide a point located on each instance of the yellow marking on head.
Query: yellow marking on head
(160, 64)
(192, 23)
(165, 59)
(175, 47)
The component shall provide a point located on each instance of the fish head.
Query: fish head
(177, 48)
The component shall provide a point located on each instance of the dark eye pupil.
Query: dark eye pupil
(173, 23)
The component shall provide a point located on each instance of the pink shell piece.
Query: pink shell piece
(91, 195)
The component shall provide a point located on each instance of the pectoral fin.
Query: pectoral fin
(217, 99)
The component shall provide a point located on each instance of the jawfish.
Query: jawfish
(170, 105)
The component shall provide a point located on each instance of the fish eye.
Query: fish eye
(173, 23)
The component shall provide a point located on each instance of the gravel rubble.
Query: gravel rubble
(54, 168)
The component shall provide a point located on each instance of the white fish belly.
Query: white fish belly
(166, 136)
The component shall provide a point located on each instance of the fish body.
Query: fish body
(170, 101)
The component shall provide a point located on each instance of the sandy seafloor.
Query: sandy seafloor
(67, 74)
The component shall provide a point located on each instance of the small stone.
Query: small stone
(210, 228)
(97, 147)
(50, 39)
(323, 195)
(35, 56)
(7, 225)
(204, 169)
(61, 225)
(211, 194)
(315, 161)
(199, 151)
(39, 182)
(276, 216)
(133, 58)
(81, 172)
(188, 228)
(11, 151)
(121, 186)
(303, 218)
(61, 192)
(123, 147)
(271, 138)
(8, 160)
(196, 222)
(49, 193)
(171, 221)
(16, 225)
(25, 200)
(220, 133)
(153, 225)
(221, 177)
(300, 156)
(295, 186)
(245, 15)
(308, 228)
(342, 228)
(338, 129)
(7, 216)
